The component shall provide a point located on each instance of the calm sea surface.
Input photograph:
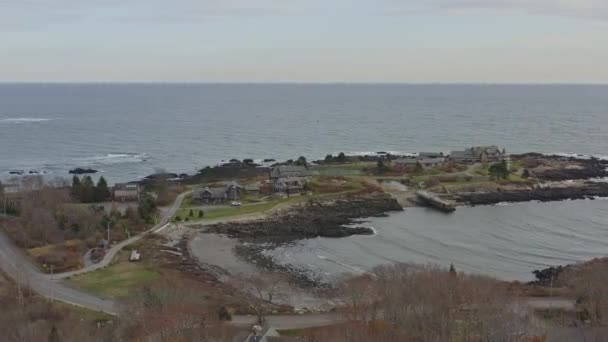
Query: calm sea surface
(129, 131)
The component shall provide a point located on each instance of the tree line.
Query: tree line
(86, 191)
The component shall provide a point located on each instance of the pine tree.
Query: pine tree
(87, 190)
(76, 187)
(452, 270)
(102, 192)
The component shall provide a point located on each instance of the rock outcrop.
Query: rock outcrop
(327, 219)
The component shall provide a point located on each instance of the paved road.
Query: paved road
(16, 265)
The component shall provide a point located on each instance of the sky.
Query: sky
(413, 41)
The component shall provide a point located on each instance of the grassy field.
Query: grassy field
(116, 280)
(251, 208)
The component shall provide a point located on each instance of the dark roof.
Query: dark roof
(210, 192)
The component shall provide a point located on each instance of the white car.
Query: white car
(236, 204)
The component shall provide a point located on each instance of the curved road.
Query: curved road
(17, 266)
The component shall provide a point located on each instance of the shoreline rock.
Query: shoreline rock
(82, 171)
(588, 191)
(313, 219)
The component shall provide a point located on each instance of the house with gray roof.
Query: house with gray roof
(289, 179)
(483, 154)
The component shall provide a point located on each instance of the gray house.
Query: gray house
(126, 192)
(231, 191)
(483, 154)
(210, 195)
(289, 178)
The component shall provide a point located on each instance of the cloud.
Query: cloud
(582, 9)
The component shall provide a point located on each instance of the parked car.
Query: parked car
(236, 204)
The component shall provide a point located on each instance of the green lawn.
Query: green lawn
(251, 209)
(116, 280)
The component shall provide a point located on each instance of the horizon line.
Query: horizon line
(159, 82)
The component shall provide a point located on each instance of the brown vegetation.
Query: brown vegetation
(407, 303)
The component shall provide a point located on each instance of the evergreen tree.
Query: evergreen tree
(329, 158)
(102, 192)
(147, 208)
(341, 157)
(452, 269)
(87, 190)
(76, 187)
(301, 161)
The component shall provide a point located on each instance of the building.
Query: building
(233, 190)
(483, 154)
(210, 195)
(289, 185)
(289, 178)
(126, 192)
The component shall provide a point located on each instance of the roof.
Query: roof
(466, 154)
(213, 192)
(126, 186)
(289, 171)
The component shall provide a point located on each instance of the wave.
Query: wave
(22, 120)
(114, 158)
(380, 153)
(578, 155)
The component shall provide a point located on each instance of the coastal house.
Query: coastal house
(210, 195)
(233, 190)
(483, 154)
(125, 192)
(289, 178)
(230, 191)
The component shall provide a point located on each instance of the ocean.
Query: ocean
(128, 131)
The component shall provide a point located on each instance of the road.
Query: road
(16, 265)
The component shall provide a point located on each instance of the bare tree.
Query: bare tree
(261, 290)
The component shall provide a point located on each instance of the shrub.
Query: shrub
(178, 218)
(191, 213)
(200, 214)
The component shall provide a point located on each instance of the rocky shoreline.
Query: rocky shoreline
(313, 219)
(588, 191)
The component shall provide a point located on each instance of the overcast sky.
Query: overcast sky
(305, 40)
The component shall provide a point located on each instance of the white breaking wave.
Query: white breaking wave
(579, 156)
(22, 120)
(114, 158)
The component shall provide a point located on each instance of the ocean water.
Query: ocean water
(504, 241)
(128, 131)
